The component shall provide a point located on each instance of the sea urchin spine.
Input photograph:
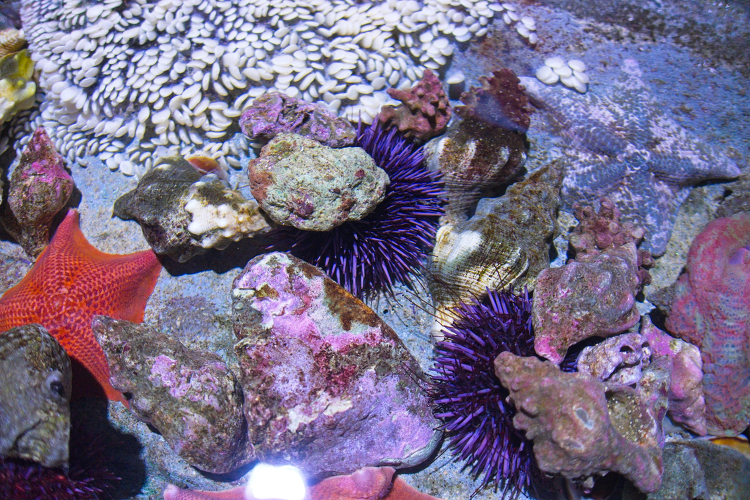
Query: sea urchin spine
(470, 398)
(388, 244)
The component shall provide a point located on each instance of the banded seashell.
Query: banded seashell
(11, 41)
(468, 259)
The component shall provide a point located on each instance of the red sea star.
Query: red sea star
(369, 483)
(70, 283)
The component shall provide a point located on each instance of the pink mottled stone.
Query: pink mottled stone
(274, 113)
(686, 402)
(617, 360)
(424, 111)
(711, 309)
(587, 298)
(190, 396)
(328, 386)
(39, 187)
(581, 428)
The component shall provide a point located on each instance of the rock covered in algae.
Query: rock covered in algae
(17, 89)
(698, 469)
(183, 213)
(618, 359)
(579, 427)
(39, 187)
(687, 405)
(302, 183)
(501, 101)
(589, 298)
(474, 159)
(711, 310)
(424, 111)
(274, 113)
(602, 230)
(505, 243)
(189, 396)
(329, 387)
(35, 388)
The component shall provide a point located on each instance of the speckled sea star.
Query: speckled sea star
(624, 148)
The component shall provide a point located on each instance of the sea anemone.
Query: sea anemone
(389, 243)
(87, 478)
(470, 398)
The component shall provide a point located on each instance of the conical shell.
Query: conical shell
(470, 258)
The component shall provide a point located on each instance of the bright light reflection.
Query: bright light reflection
(280, 483)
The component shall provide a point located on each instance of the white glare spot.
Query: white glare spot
(282, 483)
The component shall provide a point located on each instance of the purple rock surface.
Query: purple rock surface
(190, 396)
(594, 297)
(274, 113)
(581, 428)
(328, 386)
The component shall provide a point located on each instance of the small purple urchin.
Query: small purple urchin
(87, 478)
(470, 398)
(386, 245)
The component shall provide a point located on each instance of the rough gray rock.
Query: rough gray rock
(35, 387)
(190, 396)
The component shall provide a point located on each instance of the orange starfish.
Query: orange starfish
(71, 282)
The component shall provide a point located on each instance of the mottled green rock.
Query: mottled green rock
(300, 182)
(35, 386)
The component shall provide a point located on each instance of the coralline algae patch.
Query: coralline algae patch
(124, 77)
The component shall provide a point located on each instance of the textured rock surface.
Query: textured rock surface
(568, 417)
(711, 309)
(618, 359)
(183, 213)
(425, 110)
(700, 470)
(505, 243)
(39, 188)
(35, 388)
(190, 397)
(274, 113)
(599, 231)
(299, 182)
(474, 158)
(738, 199)
(687, 404)
(501, 102)
(328, 386)
(583, 299)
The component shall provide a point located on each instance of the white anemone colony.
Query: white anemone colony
(573, 74)
(125, 78)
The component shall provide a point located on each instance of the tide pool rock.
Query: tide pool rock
(591, 297)
(581, 427)
(189, 396)
(328, 386)
(274, 113)
(302, 183)
(184, 213)
(35, 388)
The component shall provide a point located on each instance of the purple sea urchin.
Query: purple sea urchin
(385, 246)
(470, 398)
(87, 478)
